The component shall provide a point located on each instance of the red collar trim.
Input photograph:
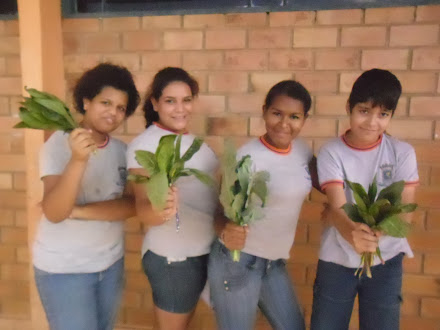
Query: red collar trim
(366, 148)
(104, 144)
(272, 148)
(167, 129)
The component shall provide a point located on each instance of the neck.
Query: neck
(98, 137)
(359, 143)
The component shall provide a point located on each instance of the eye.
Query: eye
(105, 102)
(170, 101)
(276, 113)
(363, 111)
(187, 99)
(122, 109)
(384, 114)
(294, 117)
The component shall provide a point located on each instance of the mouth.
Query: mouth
(110, 121)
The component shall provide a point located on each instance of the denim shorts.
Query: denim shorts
(176, 285)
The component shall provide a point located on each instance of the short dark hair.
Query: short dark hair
(378, 86)
(103, 75)
(290, 88)
(161, 80)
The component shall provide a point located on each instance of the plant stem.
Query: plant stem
(236, 255)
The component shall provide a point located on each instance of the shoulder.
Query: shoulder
(58, 140)
(119, 143)
(331, 146)
(400, 147)
(250, 147)
(301, 146)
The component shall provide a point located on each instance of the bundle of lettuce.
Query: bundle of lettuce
(240, 187)
(380, 213)
(46, 112)
(164, 167)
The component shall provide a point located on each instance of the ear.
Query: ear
(347, 108)
(86, 103)
(154, 103)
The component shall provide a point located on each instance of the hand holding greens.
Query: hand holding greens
(240, 185)
(381, 213)
(46, 112)
(165, 166)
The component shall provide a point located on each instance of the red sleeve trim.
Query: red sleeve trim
(327, 183)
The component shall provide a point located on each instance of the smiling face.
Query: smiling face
(284, 119)
(106, 111)
(367, 123)
(174, 106)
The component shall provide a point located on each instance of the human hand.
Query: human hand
(81, 143)
(364, 238)
(171, 205)
(234, 236)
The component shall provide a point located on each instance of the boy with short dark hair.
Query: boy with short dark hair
(365, 151)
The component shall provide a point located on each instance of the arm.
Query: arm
(313, 168)
(145, 211)
(408, 196)
(60, 191)
(359, 235)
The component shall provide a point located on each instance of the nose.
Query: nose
(284, 121)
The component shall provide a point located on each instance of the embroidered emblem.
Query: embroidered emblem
(386, 174)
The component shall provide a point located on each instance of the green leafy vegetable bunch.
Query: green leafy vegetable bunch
(46, 112)
(240, 186)
(379, 213)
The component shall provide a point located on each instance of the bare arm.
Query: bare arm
(313, 168)
(145, 211)
(60, 191)
(359, 235)
(408, 196)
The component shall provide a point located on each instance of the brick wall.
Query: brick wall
(236, 58)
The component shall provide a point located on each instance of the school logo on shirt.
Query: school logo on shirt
(385, 176)
(122, 176)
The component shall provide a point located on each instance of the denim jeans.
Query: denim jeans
(379, 297)
(239, 288)
(83, 301)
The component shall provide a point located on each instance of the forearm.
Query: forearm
(147, 214)
(59, 201)
(343, 224)
(111, 210)
(220, 222)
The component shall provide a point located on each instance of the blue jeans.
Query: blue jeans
(379, 297)
(239, 288)
(83, 301)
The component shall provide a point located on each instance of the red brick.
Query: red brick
(80, 25)
(306, 254)
(318, 81)
(426, 59)
(228, 126)
(414, 35)
(16, 236)
(121, 24)
(225, 39)
(202, 79)
(141, 40)
(391, 59)
(410, 305)
(131, 299)
(20, 181)
(14, 289)
(311, 212)
(133, 242)
(262, 82)
(363, 36)
(246, 60)
(23, 254)
(13, 163)
(154, 61)
(72, 43)
(5, 181)
(432, 263)
(101, 43)
(7, 218)
(337, 59)
(182, 40)
(247, 19)
(297, 271)
(425, 106)
(135, 125)
(161, 22)
(424, 240)
(428, 13)
(203, 21)
(10, 86)
(435, 176)
(216, 143)
(135, 281)
(269, 38)
(246, 103)
(208, 104)
(132, 225)
(411, 129)
(132, 262)
(131, 61)
(257, 126)
(315, 37)
(228, 82)
(7, 254)
(330, 104)
(315, 232)
(139, 316)
(80, 63)
(4, 106)
(291, 18)
(11, 28)
(291, 60)
(389, 15)
(421, 285)
(203, 60)
(413, 265)
(16, 308)
(427, 152)
(431, 308)
(16, 272)
(347, 80)
(417, 82)
(319, 127)
(331, 17)
(197, 125)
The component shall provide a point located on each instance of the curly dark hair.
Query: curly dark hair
(161, 80)
(103, 75)
(292, 89)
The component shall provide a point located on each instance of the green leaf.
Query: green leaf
(165, 152)
(40, 94)
(372, 191)
(237, 207)
(244, 172)
(195, 146)
(137, 178)
(376, 207)
(21, 124)
(352, 211)
(359, 194)
(175, 171)
(407, 208)
(394, 226)
(393, 192)
(147, 160)
(56, 106)
(157, 189)
(368, 219)
(259, 185)
(177, 148)
(202, 177)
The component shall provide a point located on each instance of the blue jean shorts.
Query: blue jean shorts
(176, 285)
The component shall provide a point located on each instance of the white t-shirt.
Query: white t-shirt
(272, 236)
(197, 201)
(390, 160)
(82, 246)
